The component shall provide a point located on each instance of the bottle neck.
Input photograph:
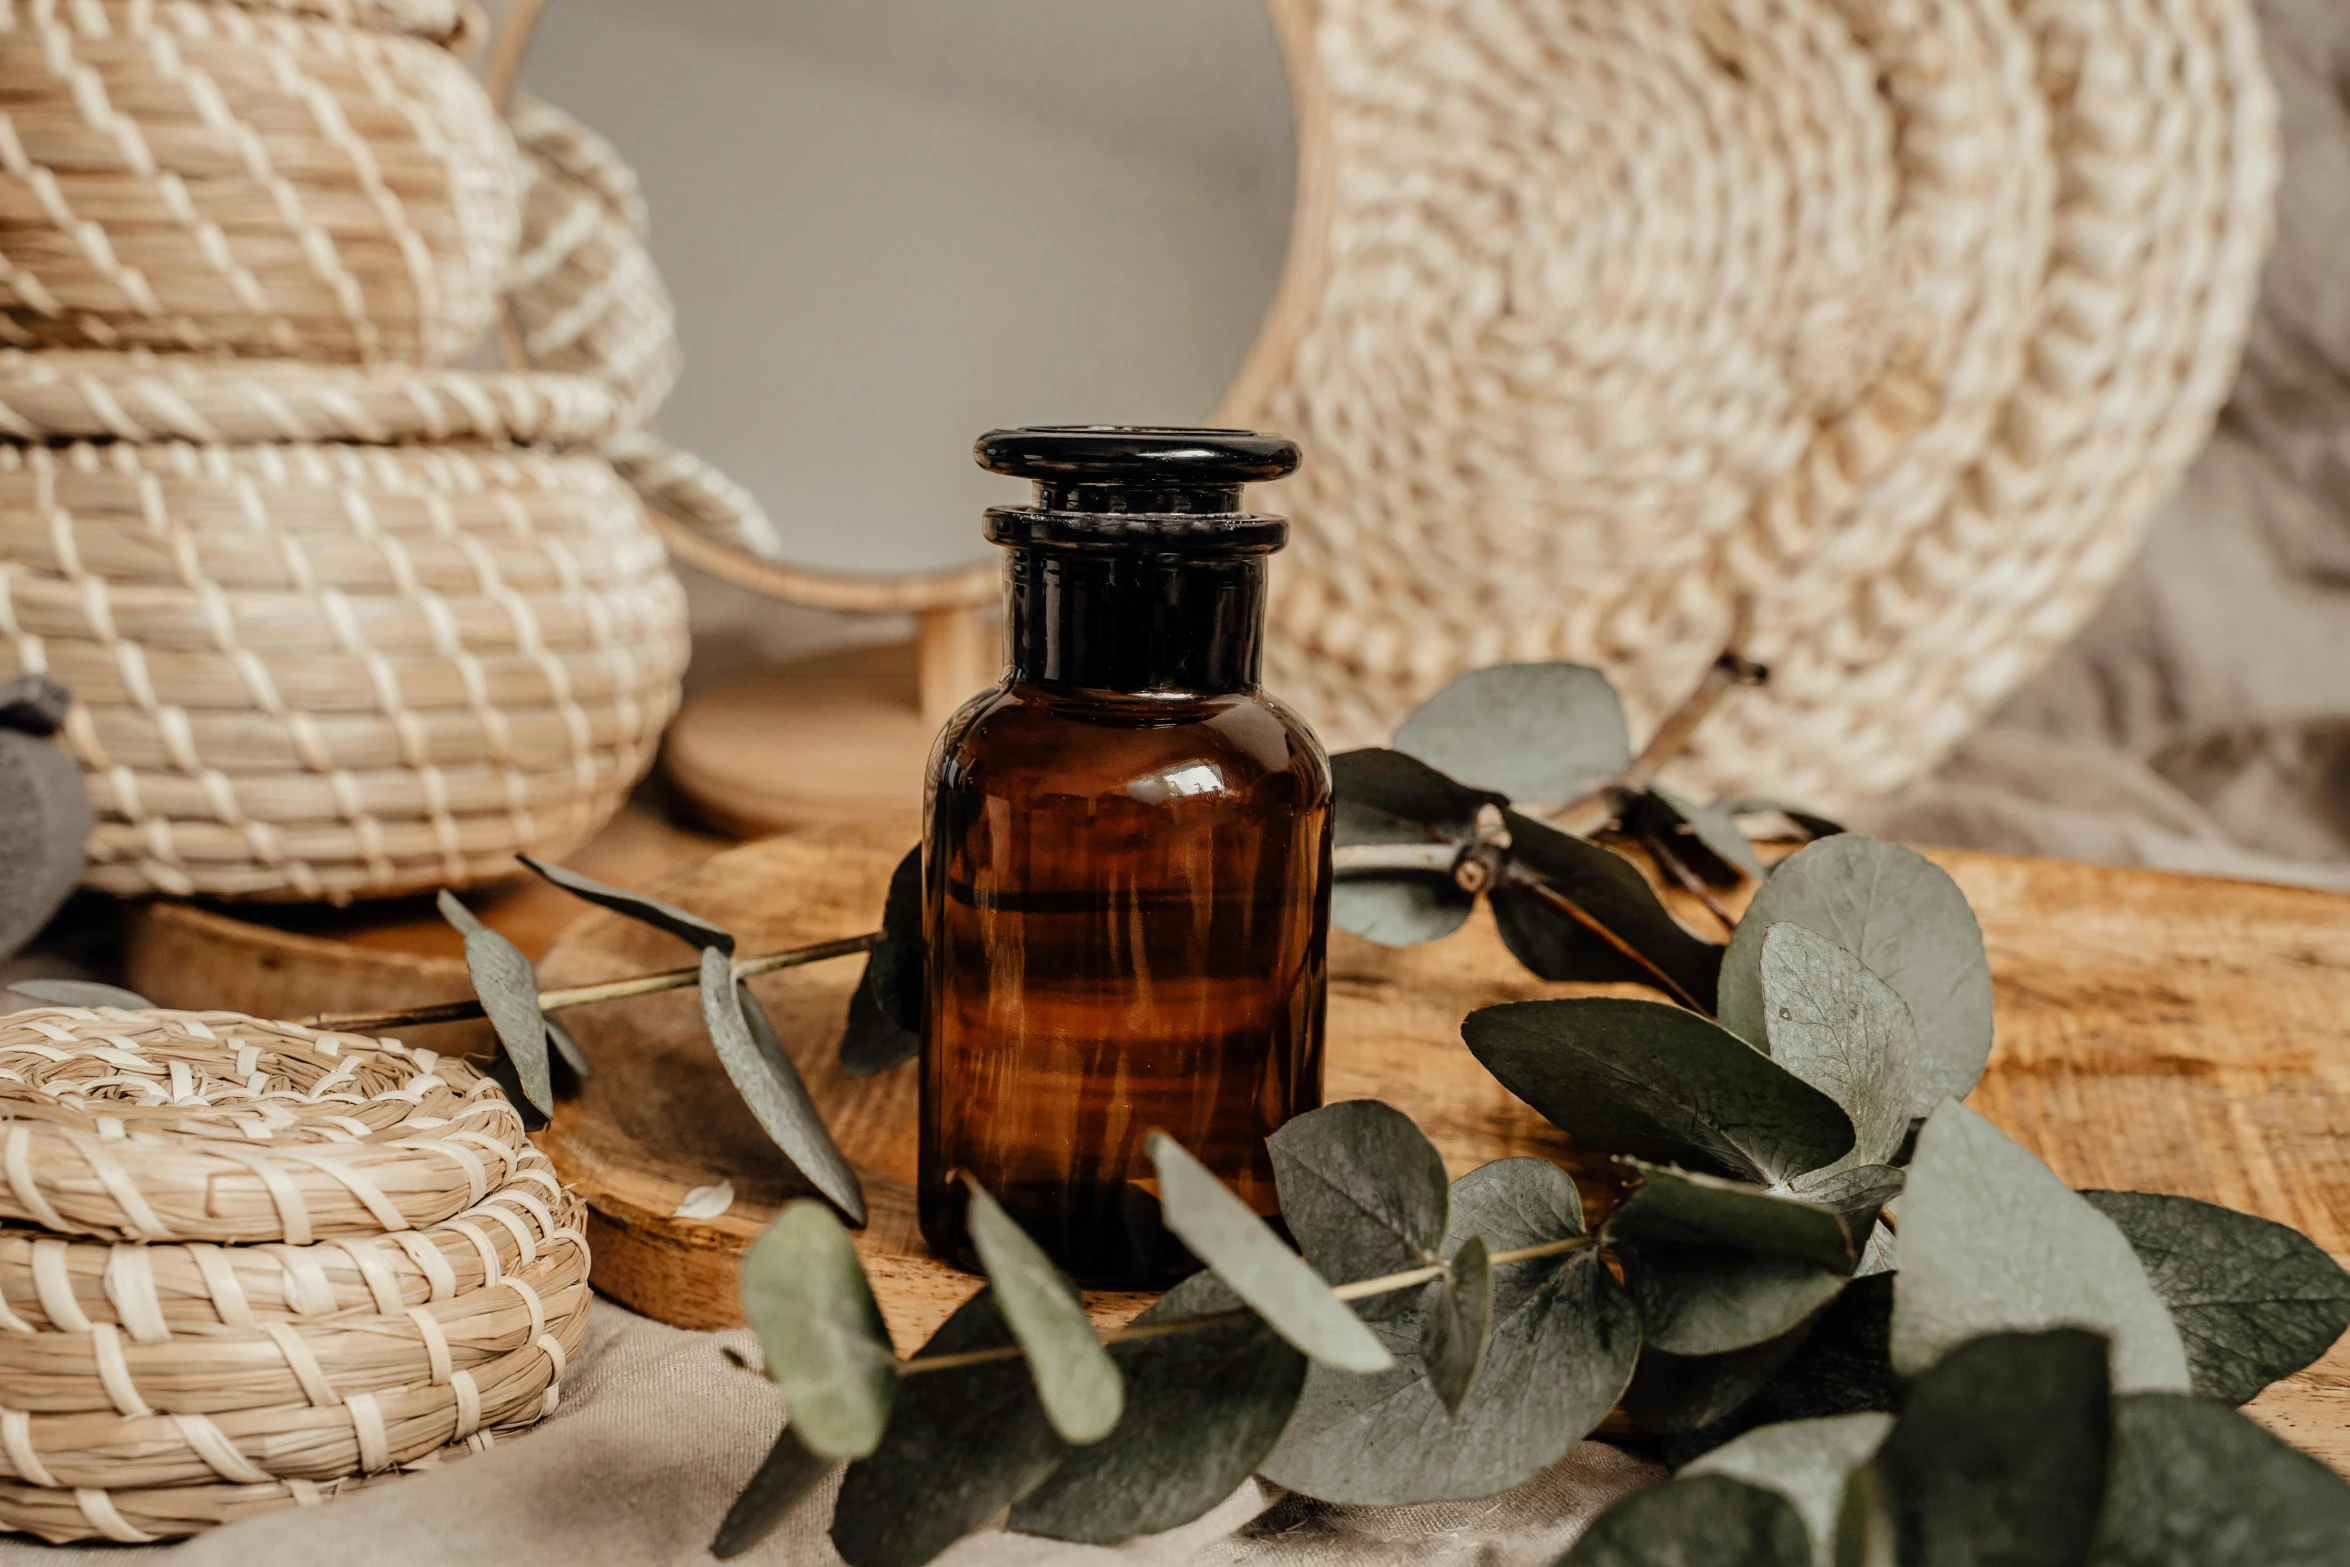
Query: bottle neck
(1113, 620)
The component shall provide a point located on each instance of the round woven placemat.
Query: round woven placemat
(1603, 314)
(220, 1127)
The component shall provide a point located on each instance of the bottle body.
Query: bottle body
(1127, 910)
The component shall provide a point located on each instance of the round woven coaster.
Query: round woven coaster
(213, 1126)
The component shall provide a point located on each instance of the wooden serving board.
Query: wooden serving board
(2154, 1032)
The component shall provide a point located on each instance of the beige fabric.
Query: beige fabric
(657, 1431)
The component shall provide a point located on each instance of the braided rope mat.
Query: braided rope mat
(420, 1278)
(197, 175)
(219, 1127)
(1603, 314)
(586, 296)
(326, 669)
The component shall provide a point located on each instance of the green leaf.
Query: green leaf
(1564, 1340)
(1710, 825)
(1999, 1457)
(885, 1010)
(1388, 797)
(1806, 1461)
(1245, 1253)
(1362, 1190)
(1075, 1379)
(1857, 1191)
(1642, 1078)
(784, 1478)
(509, 990)
(79, 993)
(1843, 1366)
(1909, 925)
(2195, 1482)
(1609, 889)
(681, 923)
(1203, 1408)
(568, 1065)
(1844, 1031)
(1399, 908)
(1673, 1395)
(1457, 1328)
(1992, 1240)
(1541, 732)
(2253, 1300)
(964, 1444)
(1677, 1208)
(762, 1072)
(1707, 1521)
(1705, 1300)
(806, 1297)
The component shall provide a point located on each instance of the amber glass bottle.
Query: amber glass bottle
(1127, 867)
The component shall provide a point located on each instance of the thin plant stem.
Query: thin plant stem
(1576, 912)
(1690, 882)
(1361, 1289)
(609, 990)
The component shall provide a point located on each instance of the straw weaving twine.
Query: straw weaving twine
(1898, 316)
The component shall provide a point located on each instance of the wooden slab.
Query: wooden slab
(2156, 1032)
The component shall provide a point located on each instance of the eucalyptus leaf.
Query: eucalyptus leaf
(2194, 1482)
(1903, 917)
(1842, 1366)
(2253, 1300)
(1857, 1191)
(1457, 1327)
(1806, 1461)
(1659, 1082)
(79, 993)
(1541, 732)
(567, 1065)
(1809, 823)
(2000, 1453)
(509, 990)
(681, 923)
(871, 1042)
(1202, 1409)
(821, 1331)
(1362, 1190)
(1991, 1240)
(1709, 825)
(1698, 1522)
(1075, 1378)
(453, 909)
(963, 1445)
(784, 1478)
(1676, 1395)
(1611, 891)
(894, 970)
(1706, 1300)
(770, 1085)
(1846, 1032)
(1399, 908)
(1387, 797)
(1244, 1252)
(1676, 1207)
(1563, 1343)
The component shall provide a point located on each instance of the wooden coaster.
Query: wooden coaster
(2155, 1032)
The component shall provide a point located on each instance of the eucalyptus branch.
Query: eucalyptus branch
(609, 990)
(1435, 857)
(1361, 1289)
(1592, 923)
(1689, 881)
(1730, 669)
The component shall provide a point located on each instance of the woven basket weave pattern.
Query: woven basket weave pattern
(411, 1276)
(203, 176)
(335, 669)
(1898, 319)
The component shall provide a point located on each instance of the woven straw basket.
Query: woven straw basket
(1602, 314)
(412, 1277)
(260, 178)
(311, 666)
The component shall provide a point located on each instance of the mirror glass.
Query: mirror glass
(892, 224)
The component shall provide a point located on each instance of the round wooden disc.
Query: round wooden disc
(660, 1119)
(813, 743)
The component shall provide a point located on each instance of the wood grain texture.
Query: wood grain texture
(2155, 1032)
